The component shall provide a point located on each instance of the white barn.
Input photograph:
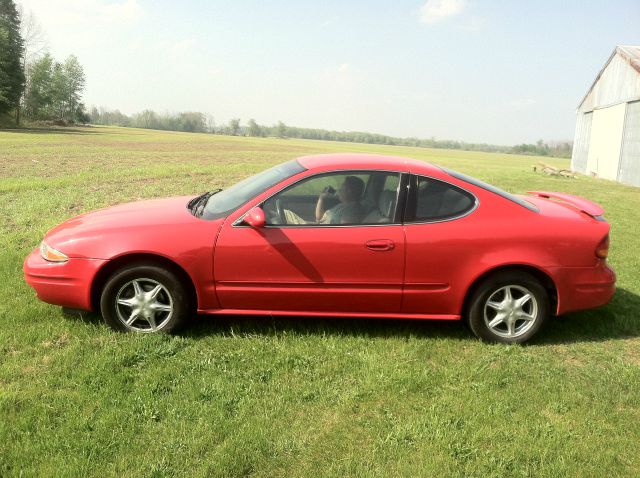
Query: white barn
(607, 139)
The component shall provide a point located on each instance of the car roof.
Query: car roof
(368, 161)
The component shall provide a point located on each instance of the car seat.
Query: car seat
(385, 210)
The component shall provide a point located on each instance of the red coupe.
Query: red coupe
(335, 235)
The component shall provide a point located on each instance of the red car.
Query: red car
(335, 235)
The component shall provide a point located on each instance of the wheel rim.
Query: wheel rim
(511, 311)
(144, 305)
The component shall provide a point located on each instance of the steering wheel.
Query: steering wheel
(280, 211)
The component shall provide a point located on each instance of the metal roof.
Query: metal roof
(629, 52)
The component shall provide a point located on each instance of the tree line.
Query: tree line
(189, 121)
(196, 122)
(33, 85)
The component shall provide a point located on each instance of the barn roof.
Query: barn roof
(629, 52)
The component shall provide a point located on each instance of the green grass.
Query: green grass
(293, 397)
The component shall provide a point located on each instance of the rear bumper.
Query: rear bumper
(67, 284)
(581, 288)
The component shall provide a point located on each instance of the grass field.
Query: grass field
(287, 397)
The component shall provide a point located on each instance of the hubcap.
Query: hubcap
(511, 311)
(144, 305)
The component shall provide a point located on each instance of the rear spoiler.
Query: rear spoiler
(590, 208)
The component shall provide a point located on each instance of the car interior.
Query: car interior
(439, 200)
(378, 200)
(435, 200)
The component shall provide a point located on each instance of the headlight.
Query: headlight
(52, 255)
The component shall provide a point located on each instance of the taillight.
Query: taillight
(602, 251)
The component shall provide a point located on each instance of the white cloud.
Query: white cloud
(434, 11)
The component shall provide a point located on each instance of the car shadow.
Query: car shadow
(618, 320)
(312, 326)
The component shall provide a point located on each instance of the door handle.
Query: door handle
(380, 245)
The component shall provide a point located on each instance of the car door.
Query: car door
(443, 238)
(296, 263)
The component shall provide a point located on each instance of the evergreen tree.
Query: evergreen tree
(11, 51)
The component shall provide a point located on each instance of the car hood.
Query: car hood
(131, 219)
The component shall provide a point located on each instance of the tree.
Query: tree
(39, 94)
(54, 90)
(281, 129)
(234, 126)
(146, 119)
(11, 50)
(210, 123)
(191, 121)
(254, 128)
(72, 86)
(35, 46)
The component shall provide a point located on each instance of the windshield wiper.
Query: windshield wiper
(197, 204)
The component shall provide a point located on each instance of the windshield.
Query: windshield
(230, 199)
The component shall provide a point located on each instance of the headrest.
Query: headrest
(386, 202)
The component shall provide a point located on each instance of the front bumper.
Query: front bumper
(581, 288)
(67, 284)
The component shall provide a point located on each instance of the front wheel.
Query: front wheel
(508, 307)
(144, 298)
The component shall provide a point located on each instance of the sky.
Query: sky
(487, 71)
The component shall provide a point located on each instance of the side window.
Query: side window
(382, 198)
(436, 200)
(344, 198)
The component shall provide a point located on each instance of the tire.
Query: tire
(508, 307)
(145, 298)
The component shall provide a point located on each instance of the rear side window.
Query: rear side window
(434, 200)
(493, 189)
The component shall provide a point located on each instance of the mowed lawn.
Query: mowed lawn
(293, 397)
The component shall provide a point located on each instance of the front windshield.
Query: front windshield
(224, 202)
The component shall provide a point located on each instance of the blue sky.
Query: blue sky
(474, 70)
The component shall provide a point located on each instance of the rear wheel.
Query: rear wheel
(508, 307)
(145, 298)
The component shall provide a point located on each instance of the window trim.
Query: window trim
(412, 202)
(397, 216)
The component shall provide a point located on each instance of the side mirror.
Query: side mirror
(254, 218)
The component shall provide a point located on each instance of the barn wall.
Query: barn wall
(581, 143)
(629, 171)
(606, 140)
(618, 83)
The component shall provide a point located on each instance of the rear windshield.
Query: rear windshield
(493, 189)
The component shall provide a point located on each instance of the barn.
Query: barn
(607, 139)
